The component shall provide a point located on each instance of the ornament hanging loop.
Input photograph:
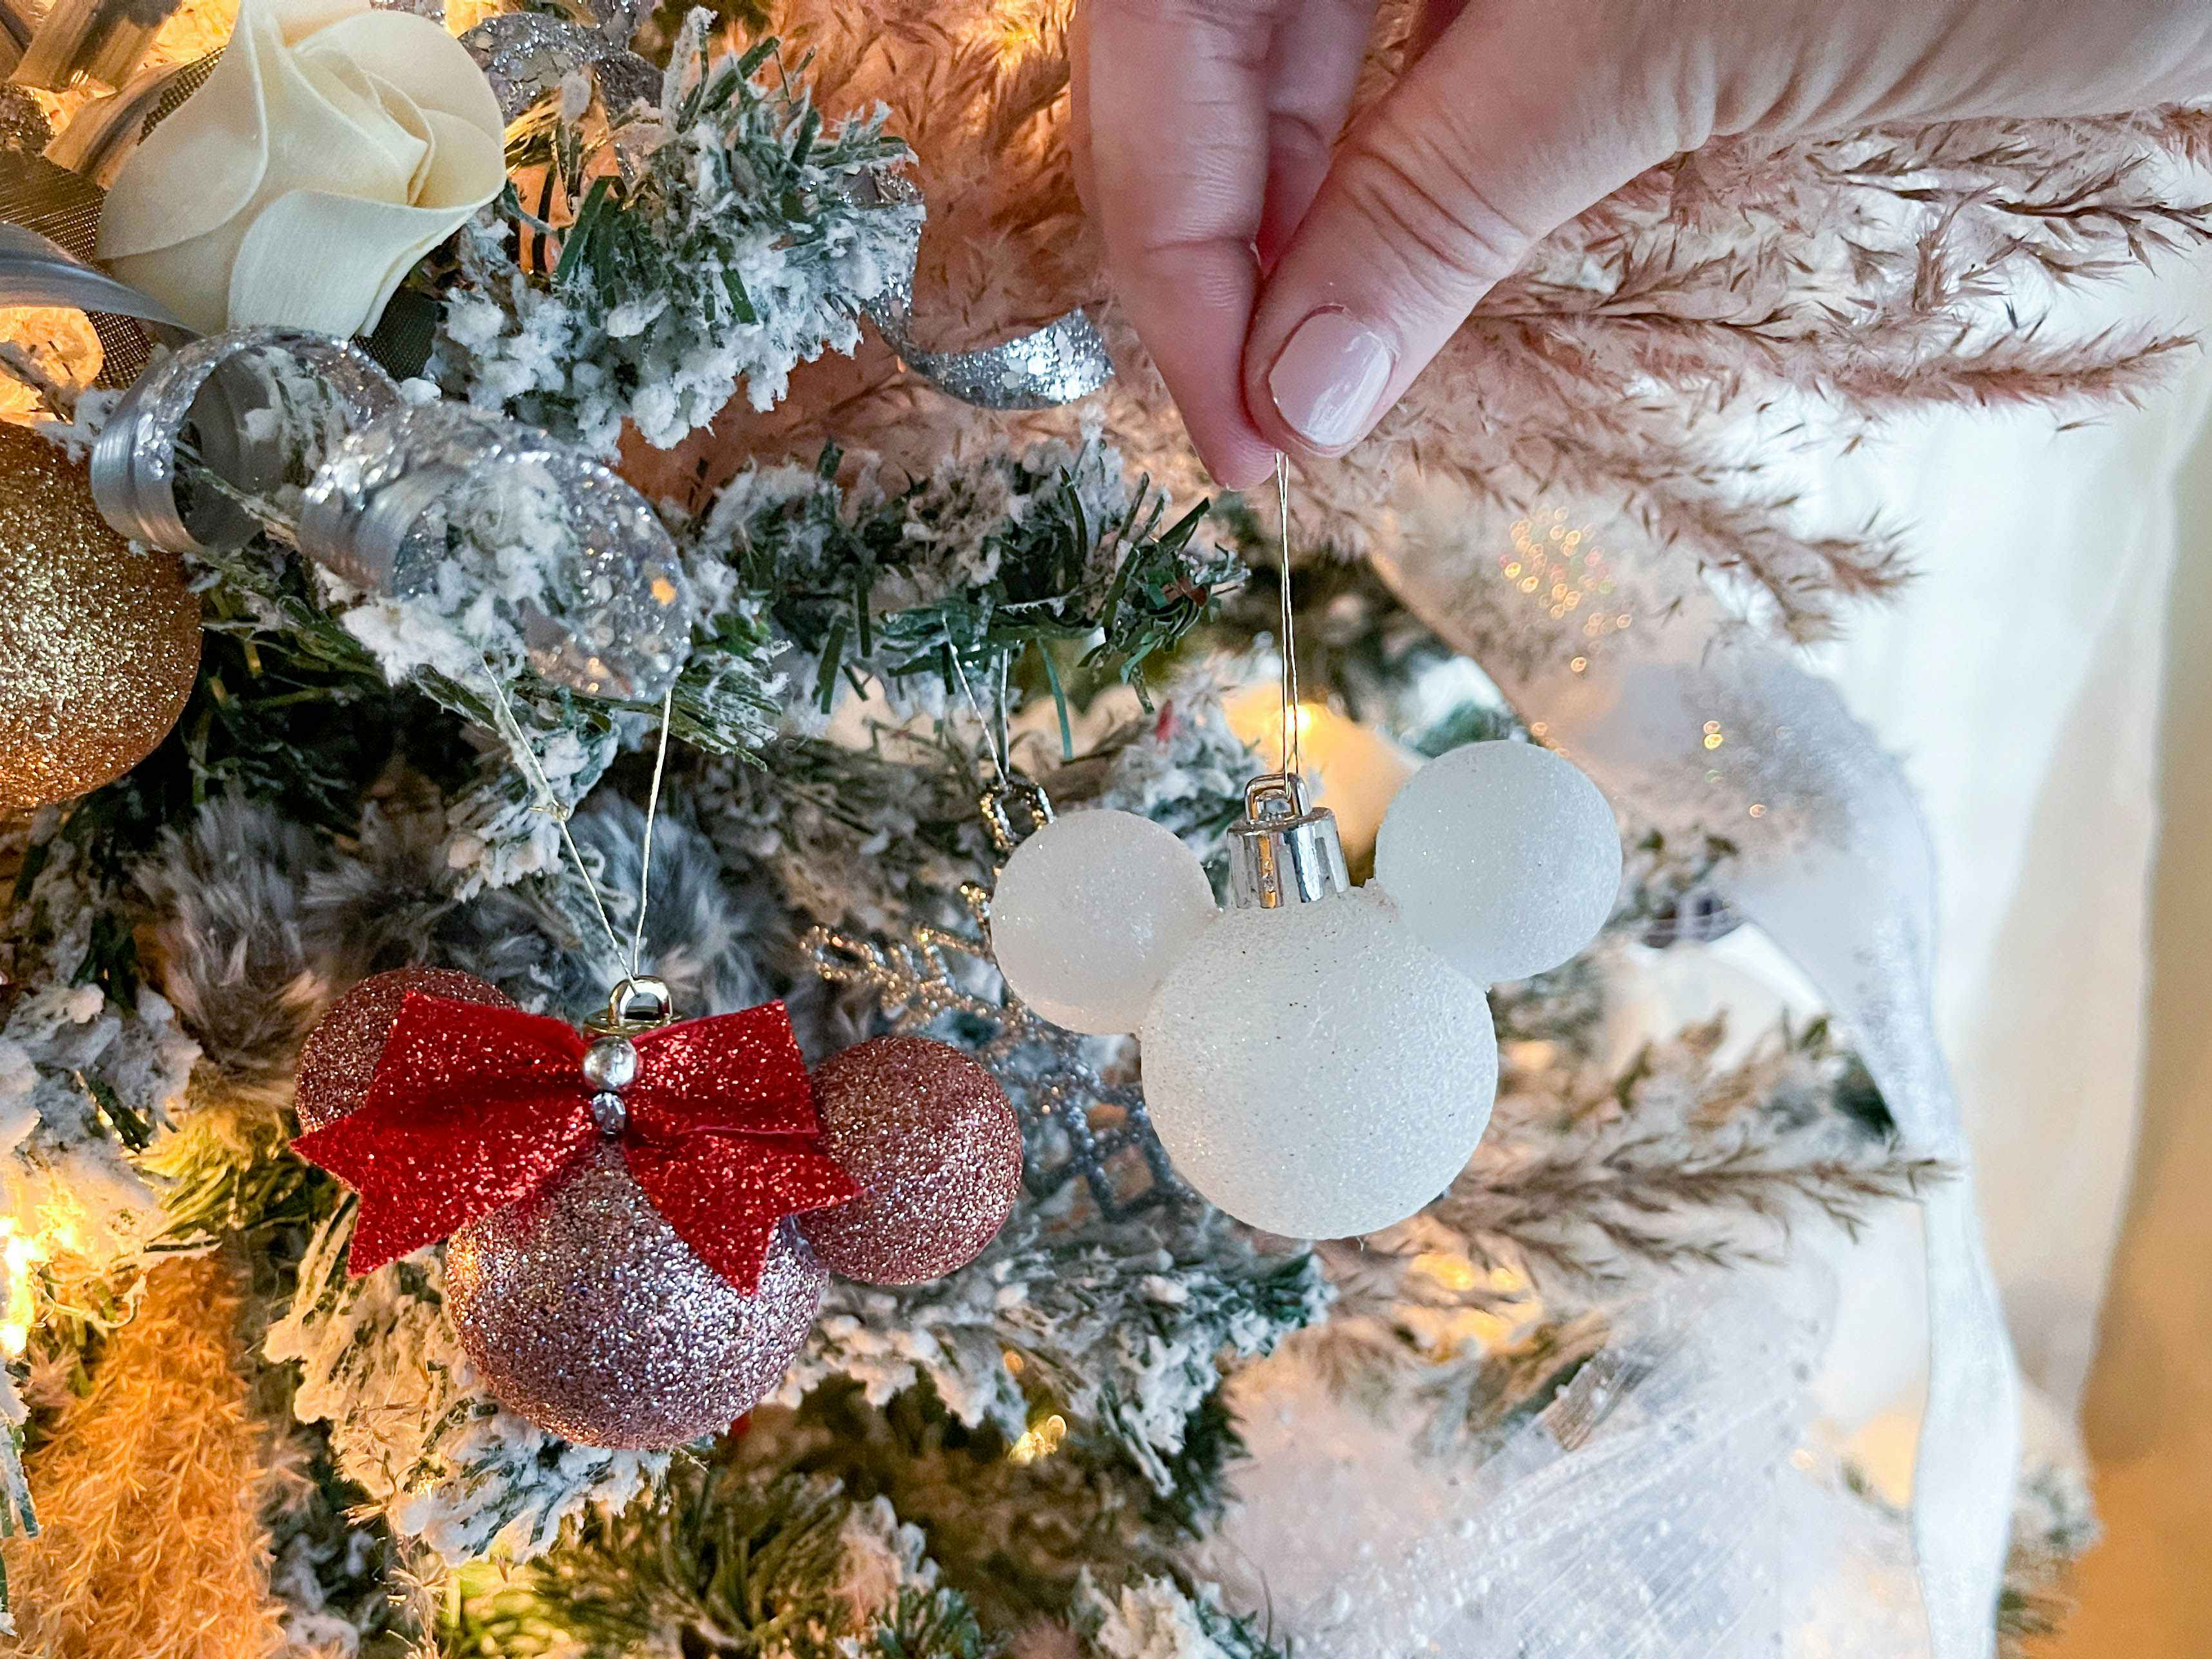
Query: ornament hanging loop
(1014, 791)
(1010, 787)
(1284, 852)
(639, 1004)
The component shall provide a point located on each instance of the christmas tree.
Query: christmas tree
(741, 523)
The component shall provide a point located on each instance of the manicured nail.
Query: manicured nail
(1329, 378)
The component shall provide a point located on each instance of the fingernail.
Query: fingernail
(1329, 378)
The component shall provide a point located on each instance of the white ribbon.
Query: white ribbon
(1691, 722)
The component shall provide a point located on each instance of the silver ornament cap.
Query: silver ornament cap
(610, 1064)
(1284, 852)
(641, 1003)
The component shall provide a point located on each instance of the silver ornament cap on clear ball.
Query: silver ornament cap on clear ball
(1283, 851)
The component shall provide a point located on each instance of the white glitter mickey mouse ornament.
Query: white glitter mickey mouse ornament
(1318, 1058)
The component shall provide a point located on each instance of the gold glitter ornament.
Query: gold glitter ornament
(98, 642)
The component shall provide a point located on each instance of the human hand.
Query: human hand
(1290, 287)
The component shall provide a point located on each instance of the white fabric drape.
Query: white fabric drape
(2019, 680)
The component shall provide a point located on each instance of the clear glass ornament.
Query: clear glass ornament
(446, 505)
(1315, 1069)
(1091, 912)
(1504, 858)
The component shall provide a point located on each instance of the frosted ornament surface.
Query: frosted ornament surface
(1317, 1071)
(1090, 914)
(1505, 858)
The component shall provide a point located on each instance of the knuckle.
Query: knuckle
(1431, 212)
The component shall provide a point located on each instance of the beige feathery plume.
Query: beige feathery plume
(1653, 363)
(150, 1496)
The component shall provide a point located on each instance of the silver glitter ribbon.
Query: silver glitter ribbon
(1063, 360)
(253, 407)
(416, 505)
(526, 55)
(206, 450)
(1691, 721)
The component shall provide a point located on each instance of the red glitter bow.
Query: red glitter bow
(473, 1107)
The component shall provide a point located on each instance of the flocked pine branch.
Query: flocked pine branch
(799, 1566)
(724, 242)
(726, 1565)
(1047, 547)
(1121, 1327)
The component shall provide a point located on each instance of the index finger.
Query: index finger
(1172, 94)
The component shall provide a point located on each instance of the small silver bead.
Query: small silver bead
(610, 1063)
(609, 1112)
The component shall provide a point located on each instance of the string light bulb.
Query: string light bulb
(19, 1255)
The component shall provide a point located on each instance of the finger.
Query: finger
(1078, 109)
(1436, 194)
(1435, 17)
(1313, 69)
(1177, 115)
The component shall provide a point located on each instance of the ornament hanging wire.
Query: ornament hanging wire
(1013, 785)
(1285, 851)
(993, 725)
(652, 809)
(1289, 643)
(518, 744)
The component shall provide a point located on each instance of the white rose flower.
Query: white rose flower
(330, 150)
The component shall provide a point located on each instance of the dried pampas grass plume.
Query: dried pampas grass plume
(150, 1494)
(1655, 363)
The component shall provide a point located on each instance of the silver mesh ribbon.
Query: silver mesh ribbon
(49, 223)
(227, 420)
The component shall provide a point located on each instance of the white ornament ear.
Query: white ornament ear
(1091, 913)
(1504, 858)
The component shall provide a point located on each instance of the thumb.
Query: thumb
(1524, 114)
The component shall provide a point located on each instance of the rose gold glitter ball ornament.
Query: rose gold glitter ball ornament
(588, 1314)
(99, 644)
(928, 1134)
(340, 1055)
